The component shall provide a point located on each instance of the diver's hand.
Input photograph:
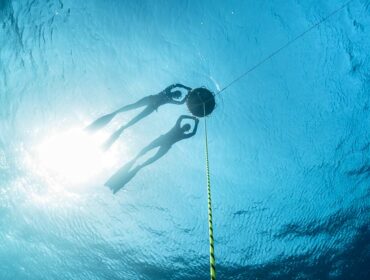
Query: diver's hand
(178, 85)
(185, 87)
(189, 117)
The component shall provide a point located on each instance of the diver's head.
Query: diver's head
(186, 127)
(176, 94)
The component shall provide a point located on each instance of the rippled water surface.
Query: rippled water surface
(289, 143)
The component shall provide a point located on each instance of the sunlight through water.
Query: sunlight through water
(74, 156)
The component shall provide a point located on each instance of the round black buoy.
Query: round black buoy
(201, 102)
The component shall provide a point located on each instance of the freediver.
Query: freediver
(151, 103)
(163, 142)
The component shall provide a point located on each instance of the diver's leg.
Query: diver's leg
(147, 111)
(104, 120)
(154, 144)
(142, 102)
(116, 134)
(160, 153)
(119, 179)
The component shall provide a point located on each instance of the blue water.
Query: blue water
(289, 143)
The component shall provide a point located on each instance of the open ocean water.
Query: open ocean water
(289, 144)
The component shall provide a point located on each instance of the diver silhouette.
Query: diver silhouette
(163, 143)
(151, 103)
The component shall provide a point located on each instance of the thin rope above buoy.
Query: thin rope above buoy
(316, 24)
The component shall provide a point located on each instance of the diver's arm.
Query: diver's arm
(183, 117)
(179, 120)
(182, 86)
(171, 87)
(188, 135)
(189, 117)
(179, 102)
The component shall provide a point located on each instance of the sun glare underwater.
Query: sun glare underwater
(86, 195)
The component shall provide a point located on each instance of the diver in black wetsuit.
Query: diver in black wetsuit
(151, 103)
(163, 142)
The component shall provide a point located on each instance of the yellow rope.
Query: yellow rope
(212, 262)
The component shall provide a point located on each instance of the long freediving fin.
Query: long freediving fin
(100, 122)
(112, 139)
(119, 179)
